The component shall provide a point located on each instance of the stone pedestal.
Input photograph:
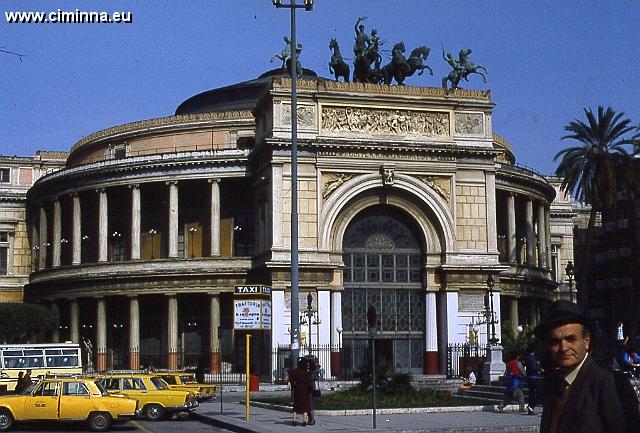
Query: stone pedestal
(493, 367)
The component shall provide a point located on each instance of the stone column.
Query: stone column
(134, 333)
(542, 237)
(12, 242)
(75, 321)
(431, 335)
(42, 238)
(531, 239)
(513, 313)
(35, 247)
(215, 217)
(57, 233)
(547, 227)
(103, 226)
(55, 335)
(101, 335)
(511, 227)
(214, 327)
(77, 230)
(172, 332)
(135, 221)
(336, 337)
(173, 219)
(533, 313)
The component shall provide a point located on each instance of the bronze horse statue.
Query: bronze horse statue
(401, 67)
(461, 69)
(337, 66)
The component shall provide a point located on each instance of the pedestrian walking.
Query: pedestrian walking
(314, 391)
(299, 381)
(535, 379)
(514, 376)
(581, 396)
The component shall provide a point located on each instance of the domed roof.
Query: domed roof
(240, 96)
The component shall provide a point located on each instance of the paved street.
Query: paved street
(272, 421)
(136, 426)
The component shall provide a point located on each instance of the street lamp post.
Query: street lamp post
(493, 367)
(192, 232)
(152, 232)
(569, 270)
(295, 307)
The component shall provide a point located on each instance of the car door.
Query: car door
(43, 403)
(75, 401)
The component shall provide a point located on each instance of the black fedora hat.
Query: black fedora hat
(561, 313)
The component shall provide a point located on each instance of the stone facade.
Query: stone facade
(406, 201)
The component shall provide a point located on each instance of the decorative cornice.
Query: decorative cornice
(163, 122)
(381, 89)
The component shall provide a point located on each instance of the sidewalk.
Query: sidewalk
(456, 420)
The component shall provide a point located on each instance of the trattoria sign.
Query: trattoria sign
(252, 308)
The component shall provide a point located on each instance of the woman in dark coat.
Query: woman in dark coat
(300, 383)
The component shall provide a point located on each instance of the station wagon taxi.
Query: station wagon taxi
(154, 396)
(186, 381)
(71, 398)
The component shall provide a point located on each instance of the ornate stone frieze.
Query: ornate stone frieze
(332, 181)
(366, 154)
(440, 184)
(306, 115)
(469, 123)
(379, 121)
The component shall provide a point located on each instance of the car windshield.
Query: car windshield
(28, 390)
(159, 383)
(101, 387)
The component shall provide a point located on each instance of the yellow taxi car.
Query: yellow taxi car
(186, 381)
(154, 396)
(73, 398)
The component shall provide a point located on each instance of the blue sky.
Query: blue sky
(547, 60)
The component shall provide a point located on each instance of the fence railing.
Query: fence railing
(464, 356)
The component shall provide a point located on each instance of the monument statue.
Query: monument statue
(285, 56)
(366, 52)
(337, 66)
(401, 67)
(461, 68)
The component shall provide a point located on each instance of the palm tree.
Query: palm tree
(598, 167)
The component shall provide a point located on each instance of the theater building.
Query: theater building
(408, 201)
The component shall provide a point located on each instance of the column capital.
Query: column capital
(172, 182)
(214, 179)
(134, 186)
(101, 190)
(75, 194)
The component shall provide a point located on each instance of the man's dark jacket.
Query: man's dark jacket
(599, 401)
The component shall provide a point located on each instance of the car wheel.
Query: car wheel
(100, 421)
(153, 412)
(6, 420)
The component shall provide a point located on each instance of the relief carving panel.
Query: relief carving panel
(469, 124)
(400, 122)
(306, 115)
(440, 184)
(332, 181)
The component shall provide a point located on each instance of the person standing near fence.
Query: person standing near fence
(300, 384)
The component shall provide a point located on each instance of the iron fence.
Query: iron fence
(465, 357)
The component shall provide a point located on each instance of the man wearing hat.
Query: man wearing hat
(580, 396)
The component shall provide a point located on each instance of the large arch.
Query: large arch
(430, 211)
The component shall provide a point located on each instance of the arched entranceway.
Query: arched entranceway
(383, 255)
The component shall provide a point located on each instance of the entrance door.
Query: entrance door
(383, 267)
